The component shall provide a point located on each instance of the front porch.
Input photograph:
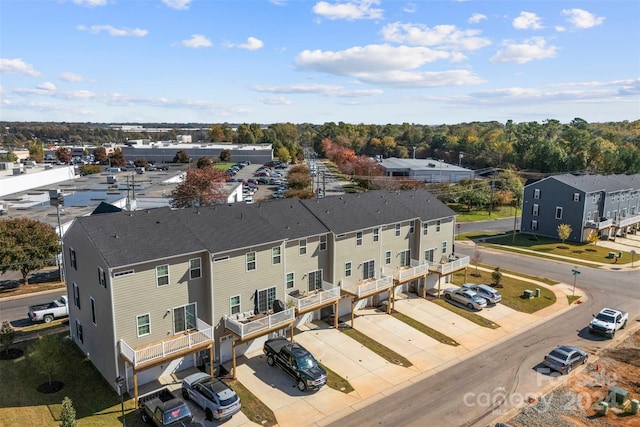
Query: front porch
(150, 355)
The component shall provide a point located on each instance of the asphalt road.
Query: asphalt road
(15, 309)
(475, 391)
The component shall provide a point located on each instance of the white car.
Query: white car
(465, 296)
(485, 291)
(213, 395)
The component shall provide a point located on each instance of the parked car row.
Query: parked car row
(473, 296)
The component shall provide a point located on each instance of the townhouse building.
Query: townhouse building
(606, 204)
(157, 291)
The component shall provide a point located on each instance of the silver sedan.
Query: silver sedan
(465, 296)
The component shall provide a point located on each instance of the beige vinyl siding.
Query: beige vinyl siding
(346, 250)
(230, 278)
(300, 265)
(396, 245)
(435, 238)
(159, 301)
(99, 342)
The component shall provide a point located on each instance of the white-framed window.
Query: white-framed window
(275, 255)
(76, 295)
(534, 225)
(265, 299)
(93, 310)
(347, 269)
(102, 277)
(234, 304)
(444, 246)
(302, 247)
(405, 258)
(438, 226)
(588, 216)
(368, 269)
(411, 227)
(376, 235)
(535, 209)
(79, 334)
(576, 197)
(195, 268)
(387, 257)
(397, 230)
(558, 212)
(323, 243)
(425, 228)
(315, 280)
(429, 255)
(184, 318)
(290, 280)
(162, 275)
(72, 258)
(358, 238)
(250, 261)
(594, 198)
(536, 193)
(143, 323)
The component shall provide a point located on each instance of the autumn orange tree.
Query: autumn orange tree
(200, 187)
(26, 245)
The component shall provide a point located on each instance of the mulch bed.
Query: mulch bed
(52, 387)
(11, 354)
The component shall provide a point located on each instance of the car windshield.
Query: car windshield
(176, 414)
(605, 318)
(558, 355)
(306, 362)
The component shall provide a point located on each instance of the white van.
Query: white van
(113, 170)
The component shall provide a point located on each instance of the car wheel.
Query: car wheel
(302, 386)
(447, 296)
(48, 318)
(270, 360)
(145, 417)
(209, 415)
(470, 306)
(185, 394)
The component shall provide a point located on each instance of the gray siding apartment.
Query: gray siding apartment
(160, 290)
(607, 205)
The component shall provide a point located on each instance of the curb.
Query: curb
(512, 413)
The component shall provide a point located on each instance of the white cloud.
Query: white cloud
(278, 100)
(350, 10)
(113, 31)
(47, 86)
(582, 19)
(90, 3)
(177, 4)
(527, 21)
(72, 77)
(426, 79)
(252, 44)
(560, 29)
(444, 36)
(529, 50)
(196, 41)
(278, 2)
(17, 66)
(477, 17)
(297, 88)
(410, 8)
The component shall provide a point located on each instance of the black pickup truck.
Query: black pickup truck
(296, 361)
(163, 408)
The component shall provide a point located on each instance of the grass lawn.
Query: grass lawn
(511, 291)
(336, 382)
(480, 214)
(546, 245)
(376, 347)
(252, 407)
(438, 336)
(469, 315)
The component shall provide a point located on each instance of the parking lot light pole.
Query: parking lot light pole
(120, 381)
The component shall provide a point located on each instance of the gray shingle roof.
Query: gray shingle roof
(125, 238)
(608, 183)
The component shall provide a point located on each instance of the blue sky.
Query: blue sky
(355, 61)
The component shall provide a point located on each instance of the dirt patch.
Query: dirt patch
(575, 403)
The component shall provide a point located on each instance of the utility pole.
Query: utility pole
(56, 198)
(493, 184)
(515, 219)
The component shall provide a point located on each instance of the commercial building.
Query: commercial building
(425, 170)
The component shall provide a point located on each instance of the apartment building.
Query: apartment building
(157, 291)
(606, 204)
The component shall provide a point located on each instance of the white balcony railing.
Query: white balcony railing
(254, 323)
(403, 274)
(626, 221)
(202, 334)
(367, 287)
(305, 301)
(449, 267)
(600, 225)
